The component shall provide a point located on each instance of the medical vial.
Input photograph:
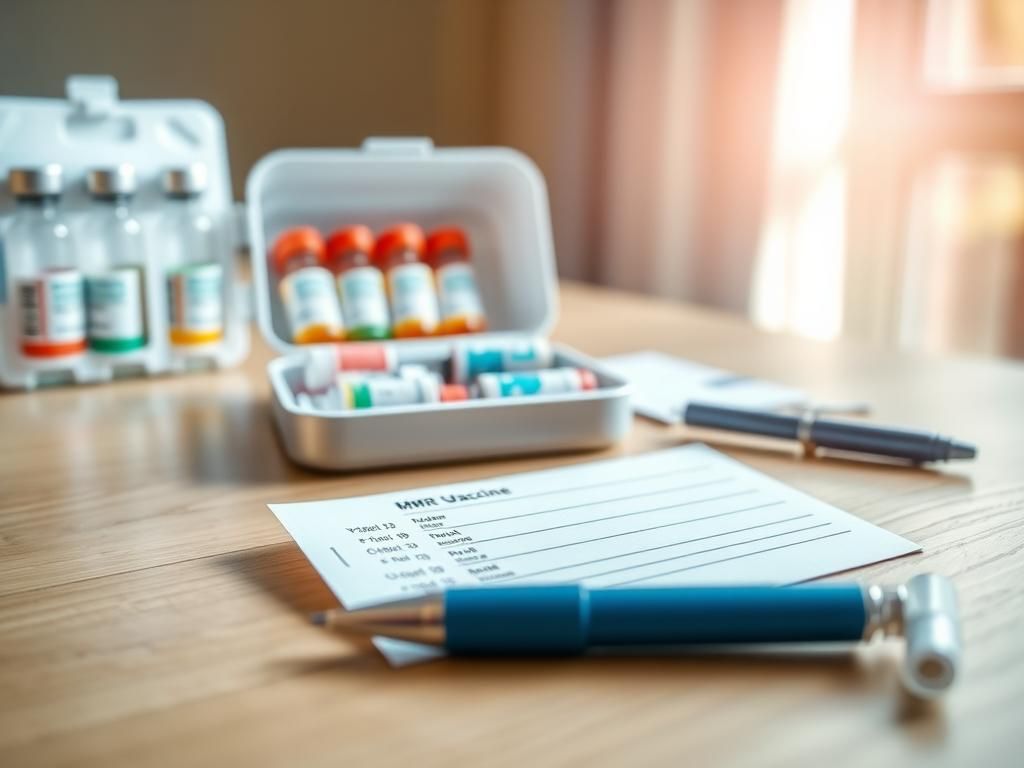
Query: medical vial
(364, 301)
(553, 381)
(49, 297)
(399, 255)
(323, 364)
(307, 288)
(114, 264)
(193, 252)
(470, 359)
(458, 297)
(357, 392)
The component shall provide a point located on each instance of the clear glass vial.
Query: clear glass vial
(114, 263)
(193, 256)
(48, 296)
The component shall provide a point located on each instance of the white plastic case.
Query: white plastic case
(92, 128)
(498, 196)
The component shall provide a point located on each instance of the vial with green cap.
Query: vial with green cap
(114, 259)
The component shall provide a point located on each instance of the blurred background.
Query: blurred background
(825, 167)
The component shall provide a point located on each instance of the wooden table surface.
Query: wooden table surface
(153, 612)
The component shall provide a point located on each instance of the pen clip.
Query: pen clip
(848, 408)
(810, 413)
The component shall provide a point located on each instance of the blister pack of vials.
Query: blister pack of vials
(117, 250)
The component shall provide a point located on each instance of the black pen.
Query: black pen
(896, 442)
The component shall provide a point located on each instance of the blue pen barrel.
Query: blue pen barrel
(819, 613)
(517, 620)
(569, 618)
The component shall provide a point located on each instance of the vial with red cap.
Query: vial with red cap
(307, 288)
(458, 296)
(323, 364)
(399, 255)
(364, 301)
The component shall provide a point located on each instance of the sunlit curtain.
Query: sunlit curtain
(798, 279)
(655, 151)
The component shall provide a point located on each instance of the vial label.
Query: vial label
(363, 299)
(457, 292)
(412, 295)
(115, 318)
(551, 382)
(311, 304)
(470, 361)
(380, 392)
(196, 302)
(52, 310)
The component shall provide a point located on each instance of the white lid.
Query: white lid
(93, 129)
(496, 194)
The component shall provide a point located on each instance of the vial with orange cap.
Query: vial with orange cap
(399, 255)
(307, 288)
(458, 297)
(364, 301)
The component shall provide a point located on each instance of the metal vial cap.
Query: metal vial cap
(112, 182)
(186, 180)
(36, 181)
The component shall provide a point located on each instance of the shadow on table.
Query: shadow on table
(284, 573)
(872, 671)
(868, 676)
(232, 440)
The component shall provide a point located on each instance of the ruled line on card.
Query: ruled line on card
(628, 533)
(615, 517)
(648, 549)
(589, 503)
(727, 559)
(621, 480)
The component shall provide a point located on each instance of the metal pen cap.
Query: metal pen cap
(116, 181)
(186, 180)
(36, 181)
(934, 644)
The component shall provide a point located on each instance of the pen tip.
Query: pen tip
(962, 451)
(319, 618)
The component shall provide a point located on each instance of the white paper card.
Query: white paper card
(687, 515)
(663, 385)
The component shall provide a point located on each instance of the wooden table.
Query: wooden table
(153, 612)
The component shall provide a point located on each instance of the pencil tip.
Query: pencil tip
(319, 618)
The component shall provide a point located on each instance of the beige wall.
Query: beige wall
(282, 72)
(331, 72)
(607, 97)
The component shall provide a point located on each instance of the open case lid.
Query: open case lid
(496, 194)
(92, 128)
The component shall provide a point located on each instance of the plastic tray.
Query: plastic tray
(498, 196)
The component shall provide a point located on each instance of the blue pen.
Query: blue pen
(570, 618)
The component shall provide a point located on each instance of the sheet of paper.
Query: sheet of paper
(687, 515)
(663, 385)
